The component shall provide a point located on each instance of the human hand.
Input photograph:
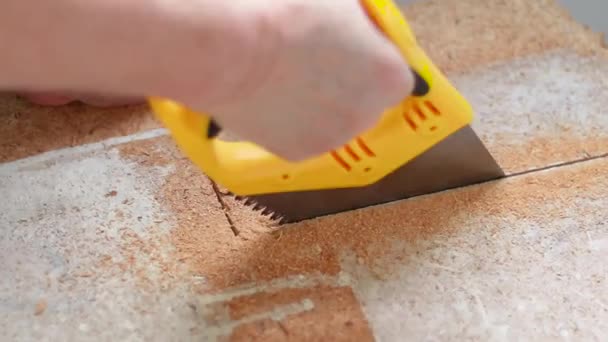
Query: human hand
(297, 77)
(324, 73)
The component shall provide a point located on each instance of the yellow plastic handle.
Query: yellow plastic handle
(433, 112)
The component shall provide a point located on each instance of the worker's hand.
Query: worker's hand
(298, 77)
(321, 74)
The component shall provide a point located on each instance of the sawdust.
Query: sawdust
(202, 226)
(112, 193)
(144, 256)
(145, 261)
(261, 253)
(337, 308)
(40, 308)
(159, 151)
(27, 129)
(196, 204)
(462, 35)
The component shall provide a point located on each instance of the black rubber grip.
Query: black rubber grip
(213, 130)
(421, 86)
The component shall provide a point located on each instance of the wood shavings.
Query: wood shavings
(194, 198)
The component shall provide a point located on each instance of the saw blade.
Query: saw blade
(459, 160)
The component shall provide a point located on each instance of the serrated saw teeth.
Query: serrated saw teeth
(261, 209)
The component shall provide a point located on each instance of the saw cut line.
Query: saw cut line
(224, 207)
(558, 165)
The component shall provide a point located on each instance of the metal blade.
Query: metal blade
(459, 160)
(589, 12)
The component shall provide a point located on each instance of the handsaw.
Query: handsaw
(423, 145)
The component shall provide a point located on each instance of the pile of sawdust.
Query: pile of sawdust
(315, 246)
(204, 240)
(260, 252)
(206, 246)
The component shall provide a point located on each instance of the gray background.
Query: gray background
(590, 12)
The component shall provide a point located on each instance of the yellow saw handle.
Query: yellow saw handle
(434, 111)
